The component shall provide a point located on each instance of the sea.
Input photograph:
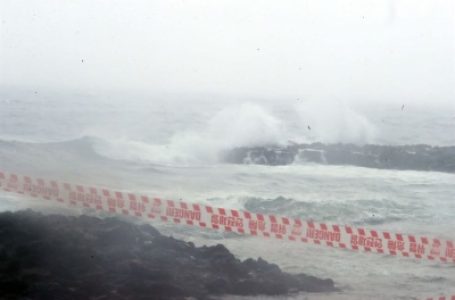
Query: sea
(172, 146)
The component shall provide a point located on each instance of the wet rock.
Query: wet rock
(404, 157)
(60, 257)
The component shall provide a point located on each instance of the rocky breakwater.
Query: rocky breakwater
(60, 257)
(405, 157)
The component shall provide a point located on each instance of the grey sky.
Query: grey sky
(313, 49)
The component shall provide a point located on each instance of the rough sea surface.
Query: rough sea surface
(175, 148)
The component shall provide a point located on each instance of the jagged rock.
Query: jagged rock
(61, 257)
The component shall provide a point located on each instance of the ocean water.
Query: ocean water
(172, 147)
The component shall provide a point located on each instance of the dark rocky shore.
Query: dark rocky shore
(60, 257)
(407, 157)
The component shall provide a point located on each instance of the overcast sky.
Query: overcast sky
(314, 49)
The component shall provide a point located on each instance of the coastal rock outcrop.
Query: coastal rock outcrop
(66, 257)
(407, 157)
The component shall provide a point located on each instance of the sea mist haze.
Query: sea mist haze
(157, 97)
(163, 148)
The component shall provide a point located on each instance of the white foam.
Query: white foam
(334, 123)
(241, 125)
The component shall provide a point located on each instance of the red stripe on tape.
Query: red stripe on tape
(279, 227)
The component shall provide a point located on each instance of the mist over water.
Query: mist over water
(169, 131)
(149, 97)
(172, 149)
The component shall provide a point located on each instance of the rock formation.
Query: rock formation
(61, 257)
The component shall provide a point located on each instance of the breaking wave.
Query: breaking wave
(179, 152)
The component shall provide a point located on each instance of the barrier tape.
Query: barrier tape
(232, 220)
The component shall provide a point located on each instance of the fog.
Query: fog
(390, 51)
(332, 112)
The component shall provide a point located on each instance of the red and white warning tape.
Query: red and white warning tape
(231, 220)
(243, 222)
